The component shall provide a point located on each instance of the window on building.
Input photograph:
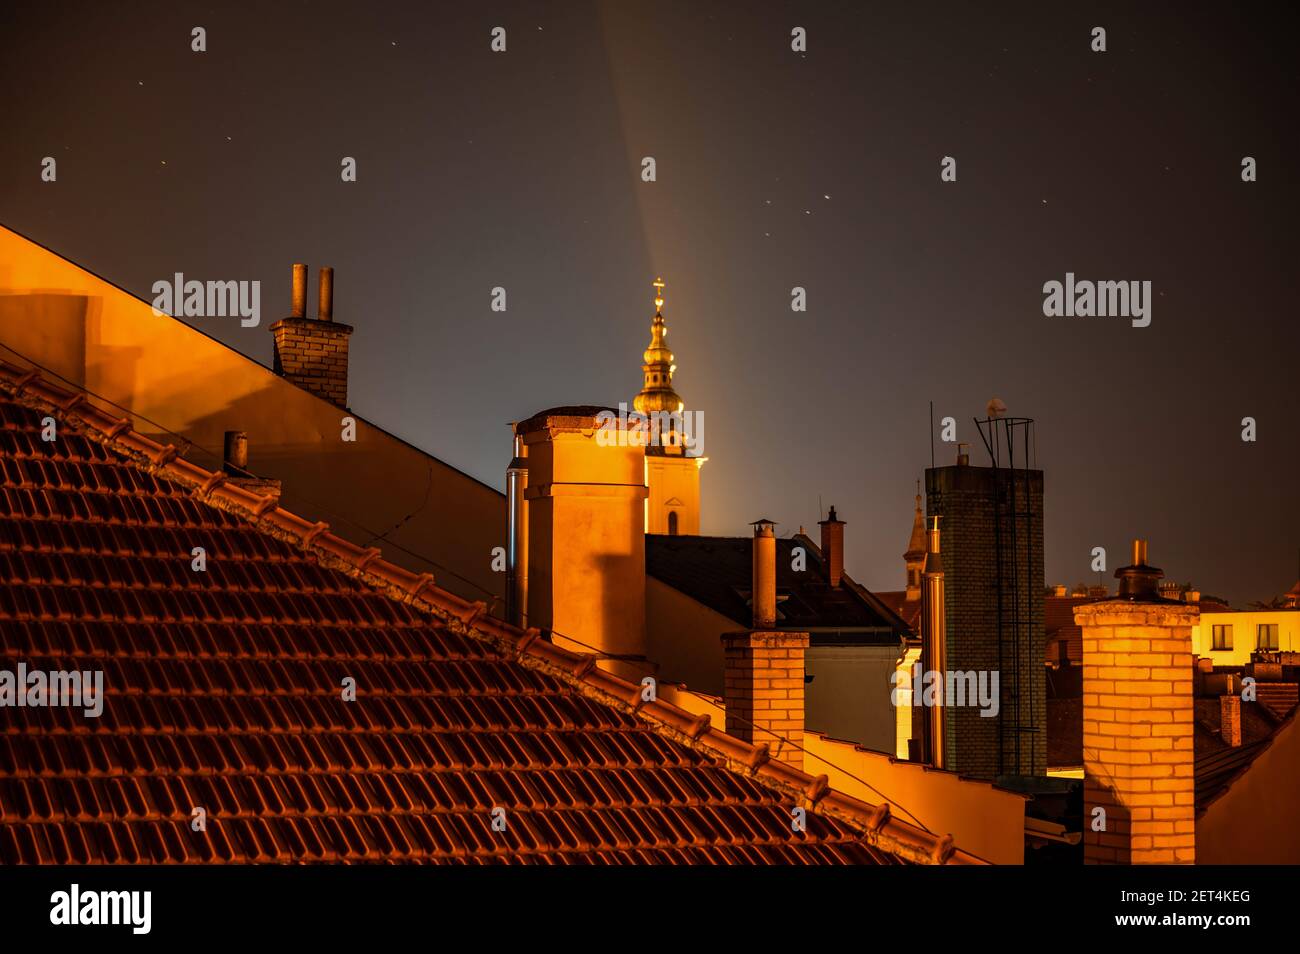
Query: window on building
(1222, 637)
(672, 523)
(1266, 636)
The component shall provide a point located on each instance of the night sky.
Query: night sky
(775, 169)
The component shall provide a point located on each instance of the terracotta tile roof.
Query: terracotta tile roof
(223, 691)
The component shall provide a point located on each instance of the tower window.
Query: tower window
(672, 523)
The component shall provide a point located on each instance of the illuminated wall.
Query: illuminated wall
(1250, 823)
(1245, 629)
(99, 337)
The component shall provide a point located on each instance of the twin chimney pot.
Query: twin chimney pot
(313, 354)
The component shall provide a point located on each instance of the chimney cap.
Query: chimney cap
(1141, 581)
(763, 522)
(830, 517)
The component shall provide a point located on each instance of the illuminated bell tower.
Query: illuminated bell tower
(672, 473)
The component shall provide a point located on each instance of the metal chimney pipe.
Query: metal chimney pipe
(299, 303)
(325, 301)
(764, 581)
(517, 536)
(934, 645)
(235, 453)
(1140, 581)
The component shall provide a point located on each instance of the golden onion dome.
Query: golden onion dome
(657, 394)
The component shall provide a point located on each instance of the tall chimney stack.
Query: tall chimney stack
(313, 354)
(581, 523)
(764, 677)
(833, 547)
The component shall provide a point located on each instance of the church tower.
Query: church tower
(672, 474)
(914, 558)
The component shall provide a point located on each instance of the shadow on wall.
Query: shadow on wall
(621, 579)
(53, 325)
(1111, 845)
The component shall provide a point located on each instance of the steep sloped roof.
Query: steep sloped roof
(718, 572)
(909, 611)
(1218, 764)
(223, 691)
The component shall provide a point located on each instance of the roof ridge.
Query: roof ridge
(471, 620)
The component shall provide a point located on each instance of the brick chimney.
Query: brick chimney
(764, 677)
(1138, 723)
(833, 547)
(1230, 719)
(313, 354)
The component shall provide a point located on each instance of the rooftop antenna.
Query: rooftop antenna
(932, 435)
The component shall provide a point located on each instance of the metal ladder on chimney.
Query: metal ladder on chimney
(1013, 522)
